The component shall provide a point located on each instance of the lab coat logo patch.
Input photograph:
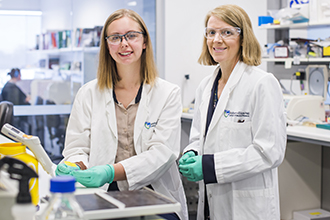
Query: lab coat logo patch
(241, 114)
(226, 113)
(148, 125)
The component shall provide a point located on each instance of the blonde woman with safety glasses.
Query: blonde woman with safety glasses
(238, 134)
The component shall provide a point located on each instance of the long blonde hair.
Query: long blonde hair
(250, 50)
(107, 71)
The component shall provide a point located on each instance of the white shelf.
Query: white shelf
(324, 23)
(188, 116)
(294, 26)
(278, 59)
(77, 72)
(70, 72)
(285, 26)
(325, 59)
(310, 60)
(67, 50)
(25, 110)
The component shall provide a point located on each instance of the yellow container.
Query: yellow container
(326, 51)
(18, 151)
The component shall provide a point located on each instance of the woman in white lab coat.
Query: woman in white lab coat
(238, 133)
(125, 126)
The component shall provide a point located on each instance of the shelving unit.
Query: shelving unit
(300, 174)
(284, 67)
(85, 55)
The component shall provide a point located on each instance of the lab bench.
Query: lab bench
(99, 204)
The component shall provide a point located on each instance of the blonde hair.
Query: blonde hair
(107, 71)
(250, 50)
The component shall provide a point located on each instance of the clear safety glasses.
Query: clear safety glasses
(225, 33)
(129, 37)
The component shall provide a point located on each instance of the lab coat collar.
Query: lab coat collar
(142, 114)
(206, 98)
(233, 80)
(110, 109)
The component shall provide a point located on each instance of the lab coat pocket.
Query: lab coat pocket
(146, 137)
(147, 134)
(240, 134)
(254, 204)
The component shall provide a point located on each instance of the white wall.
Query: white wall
(56, 15)
(184, 25)
(85, 13)
(32, 5)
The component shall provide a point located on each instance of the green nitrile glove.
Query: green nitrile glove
(186, 156)
(64, 170)
(192, 168)
(96, 176)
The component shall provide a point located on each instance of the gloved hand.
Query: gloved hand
(96, 176)
(186, 156)
(192, 168)
(63, 169)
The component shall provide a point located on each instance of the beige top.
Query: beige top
(125, 126)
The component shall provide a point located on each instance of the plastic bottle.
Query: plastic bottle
(18, 151)
(33, 143)
(62, 205)
(23, 211)
(20, 171)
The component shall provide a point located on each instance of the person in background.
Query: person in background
(124, 128)
(238, 133)
(11, 92)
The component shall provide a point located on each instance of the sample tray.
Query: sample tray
(122, 204)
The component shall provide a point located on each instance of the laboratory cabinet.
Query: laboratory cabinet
(304, 174)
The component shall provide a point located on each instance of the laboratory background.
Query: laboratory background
(55, 43)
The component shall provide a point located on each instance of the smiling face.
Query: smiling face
(224, 51)
(126, 53)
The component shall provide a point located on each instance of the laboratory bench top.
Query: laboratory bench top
(306, 134)
(99, 204)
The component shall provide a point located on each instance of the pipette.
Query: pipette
(33, 143)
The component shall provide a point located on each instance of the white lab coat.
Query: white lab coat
(92, 137)
(248, 144)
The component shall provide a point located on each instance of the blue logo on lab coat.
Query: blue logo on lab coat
(226, 113)
(148, 125)
(241, 114)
